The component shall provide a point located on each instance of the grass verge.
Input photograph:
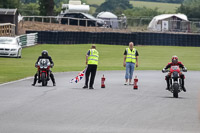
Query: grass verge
(72, 58)
(163, 7)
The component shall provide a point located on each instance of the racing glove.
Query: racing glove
(163, 70)
(184, 69)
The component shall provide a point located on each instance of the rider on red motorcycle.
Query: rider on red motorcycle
(44, 55)
(175, 62)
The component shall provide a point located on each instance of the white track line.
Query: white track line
(11, 82)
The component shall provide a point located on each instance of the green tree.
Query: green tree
(142, 12)
(60, 2)
(190, 8)
(164, 1)
(116, 6)
(46, 7)
(58, 5)
(9, 3)
(29, 9)
(28, 1)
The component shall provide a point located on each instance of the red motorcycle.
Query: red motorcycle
(43, 71)
(175, 80)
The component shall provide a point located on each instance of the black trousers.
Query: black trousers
(167, 77)
(91, 69)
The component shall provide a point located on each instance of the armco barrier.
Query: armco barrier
(139, 38)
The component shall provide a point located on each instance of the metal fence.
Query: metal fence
(113, 24)
(138, 24)
(141, 24)
(131, 24)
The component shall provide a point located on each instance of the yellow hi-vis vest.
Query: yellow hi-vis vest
(93, 57)
(131, 55)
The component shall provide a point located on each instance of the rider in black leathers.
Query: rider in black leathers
(44, 55)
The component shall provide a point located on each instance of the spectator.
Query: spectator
(130, 59)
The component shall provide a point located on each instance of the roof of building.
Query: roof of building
(106, 15)
(7, 11)
(164, 16)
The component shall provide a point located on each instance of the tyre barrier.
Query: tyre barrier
(28, 39)
(139, 38)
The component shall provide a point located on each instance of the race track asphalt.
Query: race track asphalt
(67, 108)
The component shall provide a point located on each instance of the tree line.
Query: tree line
(190, 8)
(34, 7)
(53, 7)
(163, 1)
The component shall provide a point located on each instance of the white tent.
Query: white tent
(161, 22)
(110, 19)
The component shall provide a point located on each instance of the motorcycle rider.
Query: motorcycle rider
(175, 62)
(44, 55)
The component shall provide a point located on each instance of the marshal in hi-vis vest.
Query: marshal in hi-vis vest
(131, 55)
(93, 57)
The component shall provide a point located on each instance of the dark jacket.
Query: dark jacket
(48, 57)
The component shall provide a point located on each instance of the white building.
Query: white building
(169, 22)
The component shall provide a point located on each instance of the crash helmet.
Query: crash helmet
(44, 53)
(174, 59)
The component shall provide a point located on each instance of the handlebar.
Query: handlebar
(166, 70)
(184, 70)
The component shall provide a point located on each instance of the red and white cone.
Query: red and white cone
(103, 82)
(135, 86)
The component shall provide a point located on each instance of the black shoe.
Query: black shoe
(184, 88)
(91, 88)
(33, 84)
(84, 87)
(168, 88)
(54, 84)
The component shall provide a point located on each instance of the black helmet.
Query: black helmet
(44, 53)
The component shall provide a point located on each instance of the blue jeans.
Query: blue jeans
(129, 70)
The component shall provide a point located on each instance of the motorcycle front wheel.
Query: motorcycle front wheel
(175, 90)
(44, 79)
